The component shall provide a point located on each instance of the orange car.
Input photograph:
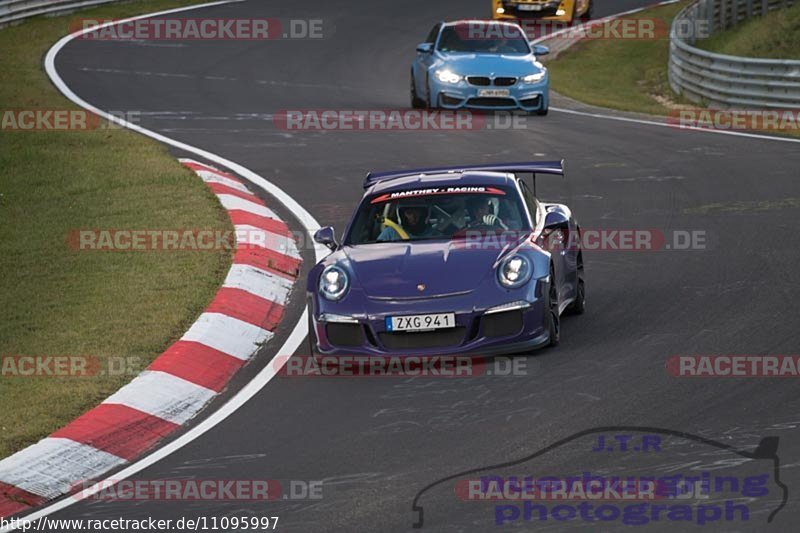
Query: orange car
(560, 10)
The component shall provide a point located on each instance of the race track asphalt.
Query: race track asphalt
(377, 442)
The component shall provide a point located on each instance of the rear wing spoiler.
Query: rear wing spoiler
(533, 167)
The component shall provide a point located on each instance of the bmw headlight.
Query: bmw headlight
(514, 271)
(333, 283)
(535, 78)
(446, 76)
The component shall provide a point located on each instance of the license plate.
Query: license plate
(493, 92)
(529, 7)
(420, 322)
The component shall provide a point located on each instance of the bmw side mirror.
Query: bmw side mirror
(326, 237)
(425, 48)
(540, 50)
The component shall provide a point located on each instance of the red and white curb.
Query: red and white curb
(182, 380)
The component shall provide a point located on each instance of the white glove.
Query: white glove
(490, 220)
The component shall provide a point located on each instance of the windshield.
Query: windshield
(436, 213)
(483, 38)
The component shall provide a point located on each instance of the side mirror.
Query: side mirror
(425, 48)
(540, 50)
(555, 219)
(326, 237)
(554, 234)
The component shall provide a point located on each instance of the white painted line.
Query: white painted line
(231, 203)
(672, 126)
(227, 334)
(52, 466)
(246, 234)
(256, 281)
(163, 395)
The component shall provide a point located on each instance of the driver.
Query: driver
(413, 221)
(480, 214)
(509, 43)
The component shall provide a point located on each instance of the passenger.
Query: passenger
(413, 221)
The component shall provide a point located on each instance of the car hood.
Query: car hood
(490, 64)
(397, 269)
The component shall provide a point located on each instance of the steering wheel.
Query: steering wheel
(450, 219)
(480, 228)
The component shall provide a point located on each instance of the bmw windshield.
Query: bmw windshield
(483, 38)
(437, 213)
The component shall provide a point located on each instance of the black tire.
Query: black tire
(589, 12)
(429, 104)
(537, 113)
(312, 338)
(578, 307)
(552, 318)
(416, 101)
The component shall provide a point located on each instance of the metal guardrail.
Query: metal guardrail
(12, 11)
(724, 81)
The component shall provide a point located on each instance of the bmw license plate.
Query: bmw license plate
(420, 322)
(529, 7)
(493, 92)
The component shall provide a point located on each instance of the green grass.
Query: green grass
(625, 74)
(775, 35)
(57, 301)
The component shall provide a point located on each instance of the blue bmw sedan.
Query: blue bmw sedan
(478, 64)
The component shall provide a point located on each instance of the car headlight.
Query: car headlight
(514, 271)
(446, 76)
(535, 78)
(333, 283)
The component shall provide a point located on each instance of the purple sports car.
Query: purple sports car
(448, 261)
